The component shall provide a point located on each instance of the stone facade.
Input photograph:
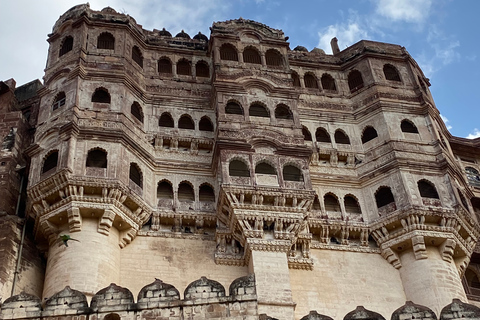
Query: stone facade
(308, 184)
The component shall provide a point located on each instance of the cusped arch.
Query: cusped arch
(369, 133)
(202, 69)
(391, 73)
(66, 46)
(184, 67)
(251, 55)
(408, 126)
(137, 56)
(341, 137)
(106, 41)
(186, 122)
(307, 136)
(228, 52)
(135, 174)
(50, 161)
(283, 112)
(101, 95)
(331, 202)
(427, 189)
(321, 135)
(328, 83)
(136, 111)
(238, 168)
(166, 120)
(292, 172)
(164, 189)
(258, 109)
(205, 124)
(204, 288)
(273, 58)
(186, 191)
(233, 107)
(265, 167)
(164, 65)
(310, 80)
(59, 100)
(206, 192)
(96, 158)
(355, 80)
(351, 204)
(384, 196)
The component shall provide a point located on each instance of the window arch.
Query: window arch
(383, 197)
(135, 175)
(273, 58)
(205, 124)
(331, 203)
(233, 108)
(472, 279)
(258, 110)
(112, 316)
(296, 79)
(50, 162)
(67, 46)
(184, 67)
(106, 41)
(136, 111)
(321, 135)
(251, 55)
(185, 192)
(316, 204)
(292, 173)
(408, 126)
(310, 81)
(228, 52)
(238, 168)
(341, 137)
(351, 204)
(164, 190)
(391, 73)
(164, 66)
(166, 120)
(473, 176)
(59, 101)
(186, 122)
(328, 83)
(137, 56)
(369, 133)
(355, 80)
(202, 69)
(265, 168)
(427, 189)
(283, 112)
(97, 158)
(307, 136)
(101, 95)
(206, 193)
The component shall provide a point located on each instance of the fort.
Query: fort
(231, 177)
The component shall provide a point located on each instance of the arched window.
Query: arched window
(184, 68)
(391, 73)
(206, 193)
(136, 111)
(233, 108)
(112, 316)
(106, 41)
(384, 196)
(316, 204)
(50, 162)
(67, 46)
(296, 80)
(322, 135)
(166, 120)
(205, 124)
(135, 175)
(310, 81)
(355, 80)
(307, 136)
(258, 110)
(101, 95)
(351, 204)
(265, 168)
(97, 158)
(472, 279)
(59, 101)
(408, 126)
(341, 137)
(283, 112)
(369, 133)
(165, 66)
(185, 122)
(427, 189)
(292, 173)
(202, 69)
(273, 58)
(228, 52)
(185, 192)
(328, 83)
(331, 203)
(473, 176)
(251, 55)
(137, 56)
(164, 190)
(237, 168)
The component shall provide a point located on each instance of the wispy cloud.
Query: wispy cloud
(413, 11)
(475, 134)
(445, 120)
(347, 33)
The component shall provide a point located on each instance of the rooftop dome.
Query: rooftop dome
(300, 48)
(200, 36)
(182, 34)
(165, 33)
(318, 50)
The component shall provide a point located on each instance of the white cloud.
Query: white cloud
(445, 120)
(474, 135)
(414, 11)
(346, 33)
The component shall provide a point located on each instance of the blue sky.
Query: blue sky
(439, 34)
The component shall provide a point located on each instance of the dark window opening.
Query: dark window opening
(205, 124)
(164, 190)
(164, 66)
(273, 58)
(355, 80)
(59, 101)
(185, 192)
(427, 190)
(136, 175)
(369, 134)
(283, 112)
(307, 136)
(67, 46)
(106, 41)
(238, 168)
(383, 197)
(408, 127)
(184, 68)
(228, 52)
(310, 81)
(341, 137)
(472, 279)
(202, 69)
(322, 135)
(136, 111)
(251, 55)
(101, 95)
(265, 168)
(296, 80)
(233, 108)
(257, 110)
(292, 173)
(185, 122)
(391, 73)
(50, 162)
(331, 203)
(351, 205)
(166, 120)
(97, 158)
(137, 56)
(206, 193)
(328, 83)
(316, 204)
